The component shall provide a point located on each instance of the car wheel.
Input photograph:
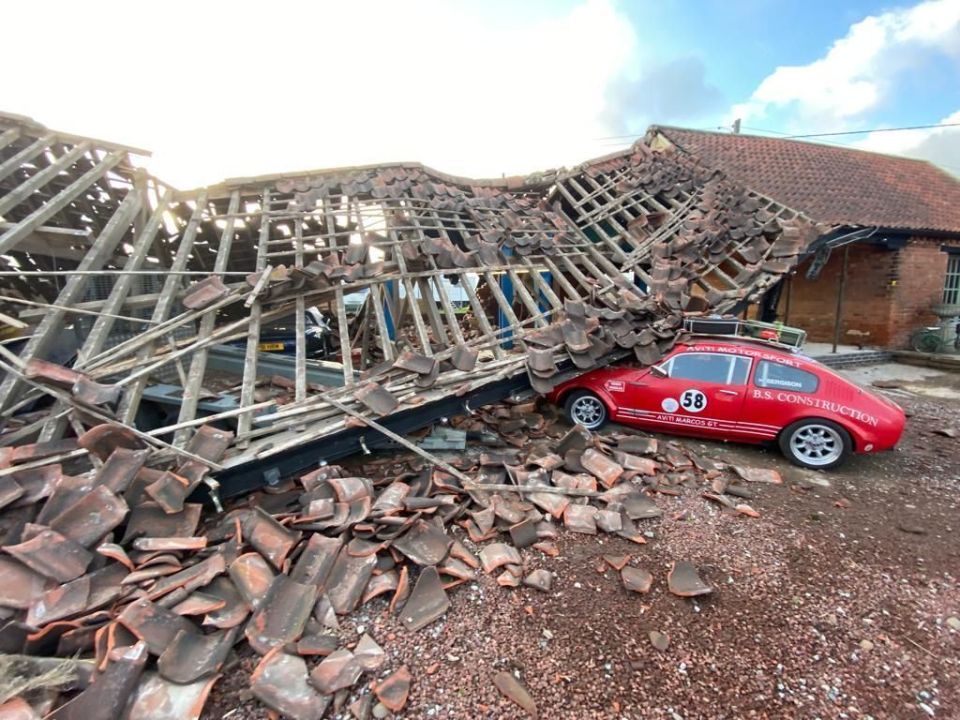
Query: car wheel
(585, 408)
(815, 443)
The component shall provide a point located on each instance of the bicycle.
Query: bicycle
(930, 339)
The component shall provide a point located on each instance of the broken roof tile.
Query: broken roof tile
(369, 655)
(348, 578)
(636, 579)
(52, 555)
(580, 519)
(336, 671)
(112, 689)
(282, 616)
(20, 586)
(497, 555)
(153, 624)
(150, 520)
(158, 699)
(204, 293)
(165, 544)
(394, 690)
(752, 474)
(684, 581)
(427, 602)
(539, 579)
(281, 682)
(606, 470)
(316, 560)
(91, 517)
(378, 399)
(191, 656)
(513, 689)
(268, 537)
(252, 577)
(424, 543)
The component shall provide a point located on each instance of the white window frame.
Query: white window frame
(951, 281)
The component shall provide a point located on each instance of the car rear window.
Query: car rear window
(710, 367)
(783, 377)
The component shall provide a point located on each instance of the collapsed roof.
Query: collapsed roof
(459, 284)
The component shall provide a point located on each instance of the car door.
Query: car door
(698, 393)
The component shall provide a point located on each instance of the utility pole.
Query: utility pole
(736, 126)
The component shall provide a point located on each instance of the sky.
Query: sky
(228, 88)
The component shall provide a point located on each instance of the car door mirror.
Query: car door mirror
(659, 371)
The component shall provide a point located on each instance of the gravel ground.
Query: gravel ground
(824, 607)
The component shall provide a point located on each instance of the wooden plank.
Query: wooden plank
(480, 316)
(611, 245)
(26, 226)
(343, 328)
(41, 178)
(561, 279)
(453, 323)
(121, 288)
(300, 357)
(256, 311)
(413, 304)
(526, 299)
(161, 311)
(9, 136)
(198, 363)
(47, 333)
(38, 146)
(386, 344)
(543, 287)
(426, 292)
(505, 306)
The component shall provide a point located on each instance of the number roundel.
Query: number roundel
(693, 401)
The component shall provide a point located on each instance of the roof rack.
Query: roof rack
(773, 333)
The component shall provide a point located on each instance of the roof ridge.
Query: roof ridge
(793, 140)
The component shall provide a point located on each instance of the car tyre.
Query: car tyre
(816, 443)
(586, 409)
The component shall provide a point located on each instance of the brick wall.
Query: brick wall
(888, 293)
(921, 269)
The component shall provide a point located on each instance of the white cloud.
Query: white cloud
(938, 145)
(236, 87)
(857, 73)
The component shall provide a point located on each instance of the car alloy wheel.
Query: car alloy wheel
(588, 411)
(816, 445)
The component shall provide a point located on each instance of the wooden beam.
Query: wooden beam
(47, 333)
(198, 364)
(46, 211)
(41, 178)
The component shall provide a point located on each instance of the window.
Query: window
(710, 367)
(784, 377)
(951, 285)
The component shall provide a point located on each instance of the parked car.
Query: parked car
(743, 390)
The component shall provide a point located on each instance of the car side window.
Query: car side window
(709, 367)
(783, 377)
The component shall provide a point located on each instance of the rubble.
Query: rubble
(107, 551)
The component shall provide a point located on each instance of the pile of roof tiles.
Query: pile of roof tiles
(114, 568)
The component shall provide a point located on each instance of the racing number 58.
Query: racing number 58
(693, 401)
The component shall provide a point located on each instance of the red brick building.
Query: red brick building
(893, 222)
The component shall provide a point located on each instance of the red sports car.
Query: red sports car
(743, 390)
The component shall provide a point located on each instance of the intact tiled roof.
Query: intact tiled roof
(834, 185)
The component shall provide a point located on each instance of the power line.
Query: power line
(864, 132)
(787, 136)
